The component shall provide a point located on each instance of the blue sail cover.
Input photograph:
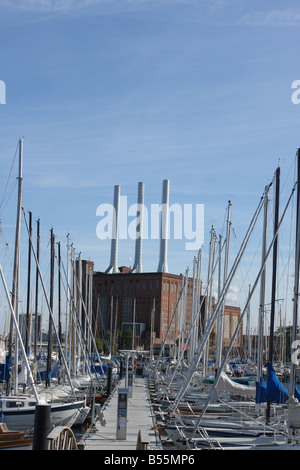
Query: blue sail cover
(261, 391)
(297, 393)
(275, 390)
(98, 369)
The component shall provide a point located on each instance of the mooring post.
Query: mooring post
(42, 427)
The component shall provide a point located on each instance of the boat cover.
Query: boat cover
(275, 390)
(261, 391)
(225, 384)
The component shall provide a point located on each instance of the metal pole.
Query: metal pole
(15, 286)
(262, 291)
(274, 272)
(27, 340)
(296, 286)
(50, 329)
(36, 324)
(222, 312)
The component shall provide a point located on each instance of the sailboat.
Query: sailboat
(241, 431)
(18, 410)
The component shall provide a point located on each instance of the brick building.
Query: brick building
(149, 301)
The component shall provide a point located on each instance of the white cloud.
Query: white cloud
(62, 6)
(232, 295)
(288, 17)
(50, 5)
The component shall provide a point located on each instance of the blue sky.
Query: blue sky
(109, 92)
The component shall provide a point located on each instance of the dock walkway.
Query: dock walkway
(139, 418)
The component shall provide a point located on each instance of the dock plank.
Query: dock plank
(139, 418)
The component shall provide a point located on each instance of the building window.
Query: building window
(226, 327)
(234, 323)
(127, 309)
(102, 313)
(150, 285)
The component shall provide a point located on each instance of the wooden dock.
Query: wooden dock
(140, 422)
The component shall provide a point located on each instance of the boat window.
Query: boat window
(14, 404)
(32, 403)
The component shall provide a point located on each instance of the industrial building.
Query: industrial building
(149, 303)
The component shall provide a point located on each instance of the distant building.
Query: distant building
(148, 301)
(130, 298)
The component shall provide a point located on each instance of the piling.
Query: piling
(42, 427)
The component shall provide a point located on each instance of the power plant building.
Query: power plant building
(149, 303)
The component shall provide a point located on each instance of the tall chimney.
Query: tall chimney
(113, 267)
(164, 229)
(137, 267)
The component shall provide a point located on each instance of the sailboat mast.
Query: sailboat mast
(274, 272)
(15, 286)
(59, 298)
(36, 324)
(260, 339)
(68, 322)
(248, 333)
(222, 312)
(296, 286)
(51, 297)
(27, 340)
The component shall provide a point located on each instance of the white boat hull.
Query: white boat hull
(62, 414)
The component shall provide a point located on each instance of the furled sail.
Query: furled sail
(225, 384)
(275, 390)
(261, 391)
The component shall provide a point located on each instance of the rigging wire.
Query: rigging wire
(8, 178)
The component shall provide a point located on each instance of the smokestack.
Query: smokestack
(137, 267)
(113, 267)
(164, 229)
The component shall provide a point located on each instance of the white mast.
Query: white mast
(296, 285)
(222, 312)
(16, 271)
(209, 294)
(260, 339)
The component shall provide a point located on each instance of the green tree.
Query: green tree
(125, 339)
(102, 345)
